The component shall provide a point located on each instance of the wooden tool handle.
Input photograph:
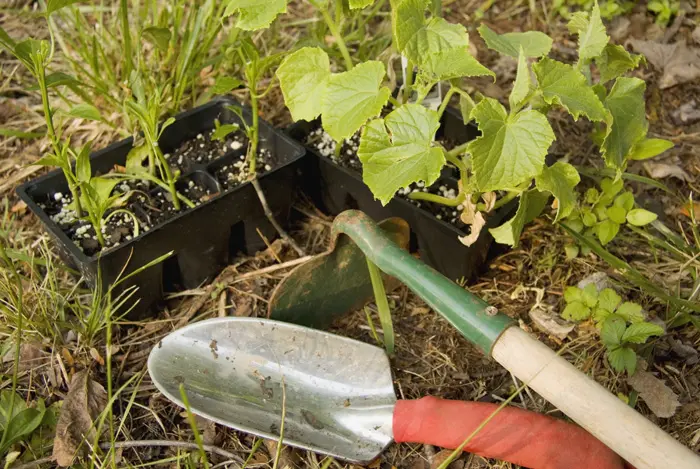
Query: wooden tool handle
(518, 436)
(636, 439)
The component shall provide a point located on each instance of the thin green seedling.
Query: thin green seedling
(278, 453)
(254, 449)
(193, 425)
(370, 323)
(383, 310)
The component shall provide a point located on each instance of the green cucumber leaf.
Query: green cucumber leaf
(255, 14)
(352, 98)
(631, 312)
(511, 148)
(466, 106)
(398, 151)
(592, 38)
(638, 333)
(159, 37)
(533, 43)
(454, 63)
(563, 84)
(303, 76)
(523, 83)
(649, 148)
(531, 204)
(613, 329)
(623, 358)
(640, 217)
(629, 124)
(560, 180)
(615, 61)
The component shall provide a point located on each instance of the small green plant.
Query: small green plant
(603, 211)
(621, 324)
(609, 9)
(664, 9)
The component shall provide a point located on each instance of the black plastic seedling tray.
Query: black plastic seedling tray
(334, 188)
(202, 238)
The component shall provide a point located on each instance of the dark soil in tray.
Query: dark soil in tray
(325, 145)
(203, 150)
(236, 171)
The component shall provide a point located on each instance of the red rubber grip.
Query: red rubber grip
(521, 437)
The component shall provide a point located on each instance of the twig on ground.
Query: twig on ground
(271, 217)
(273, 268)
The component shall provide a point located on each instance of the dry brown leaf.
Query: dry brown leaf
(687, 113)
(477, 225)
(550, 323)
(207, 428)
(658, 397)
(663, 170)
(286, 460)
(696, 34)
(677, 62)
(96, 356)
(85, 400)
(20, 207)
(489, 200)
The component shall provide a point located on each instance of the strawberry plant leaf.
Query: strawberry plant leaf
(255, 14)
(398, 151)
(623, 358)
(576, 312)
(560, 180)
(572, 294)
(85, 111)
(613, 330)
(303, 76)
(531, 204)
(592, 38)
(533, 43)
(638, 333)
(616, 61)
(352, 98)
(649, 148)
(640, 217)
(625, 200)
(159, 37)
(606, 231)
(608, 299)
(562, 84)
(599, 315)
(511, 148)
(631, 312)
(53, 6)
(590, 295)
(617, 214)
(629, 123)
(453, 63)
(523, 83)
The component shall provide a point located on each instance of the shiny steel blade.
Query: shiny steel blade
(339, 392)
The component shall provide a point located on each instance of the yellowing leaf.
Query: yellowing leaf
(629, 123)
(591, 35)
(631, 312)
(303, 76)
(640, 217)
(560, 180)
(352, 98)
(398, 151)
(606, 231)
(255, 14)
(511, 148)
(576, 312)
(563, 84)
(533, 43)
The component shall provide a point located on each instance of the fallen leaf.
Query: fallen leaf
(67, 357)
(677, 62)
(687, 113)
(663, 170)
(20, 207)
(207, 428)
(601, 280)
(475, 228)
(662, 401)
(439, 458)
(469, 211)
(85, 400)
(96, 356)
(286, 458)
(687, 352)
(696, 34)
(489, 200)
(685, 210)
(551, 324)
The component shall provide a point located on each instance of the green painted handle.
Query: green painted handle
(480, 323)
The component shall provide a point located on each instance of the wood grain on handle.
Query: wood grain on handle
(620, 427)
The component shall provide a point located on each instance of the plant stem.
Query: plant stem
(338, 38)
(456, 151)
(438, 199)
(255, 128)
(408, 86)
(382, 306)
(165, 168)
(446, 101)
(193, 424)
